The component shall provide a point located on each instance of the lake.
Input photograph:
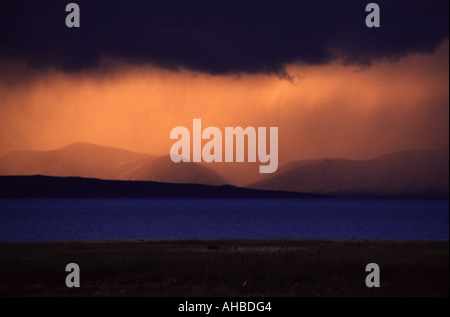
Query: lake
(84, 219)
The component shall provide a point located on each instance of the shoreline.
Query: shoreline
(40, 186)
(221, 240)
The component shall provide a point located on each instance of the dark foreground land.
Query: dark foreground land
(225, 268)
(77, 187)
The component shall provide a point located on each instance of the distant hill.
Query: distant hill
(162, 169)
(74, 187)
(80, 159)
(92, 161)
(406, 174)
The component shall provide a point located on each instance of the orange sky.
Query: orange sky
(326, 111)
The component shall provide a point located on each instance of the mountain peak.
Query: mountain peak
(404, 174)
(94, 161)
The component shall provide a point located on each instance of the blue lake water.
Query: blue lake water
(82, 219)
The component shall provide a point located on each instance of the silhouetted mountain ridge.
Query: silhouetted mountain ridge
(93, 161)
(405, 174)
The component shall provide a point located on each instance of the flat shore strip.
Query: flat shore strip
(222, 268)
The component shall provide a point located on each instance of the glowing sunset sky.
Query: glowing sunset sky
(324, 111)
(332, 107)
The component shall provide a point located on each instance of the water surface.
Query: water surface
(81, 219)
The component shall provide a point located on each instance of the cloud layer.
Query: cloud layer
(218, 37)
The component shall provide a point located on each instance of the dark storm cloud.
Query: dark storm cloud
(218, 37)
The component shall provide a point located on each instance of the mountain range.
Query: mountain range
(92, 161)
(405, 174)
